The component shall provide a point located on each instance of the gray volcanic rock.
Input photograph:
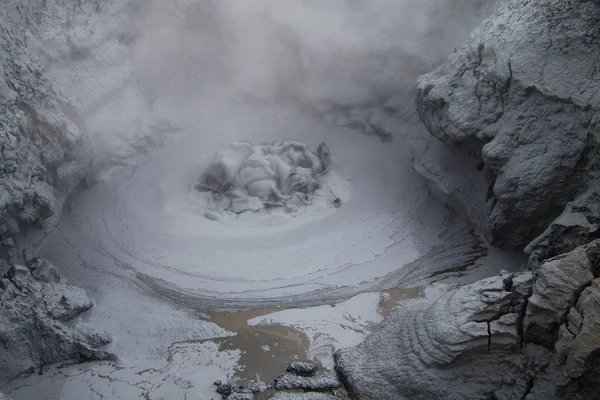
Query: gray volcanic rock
(519, 105)
(577, 225)
(580, 336)
(516, 117)
(36, 321)
(485, 337)
(45, 152)
(423, 349)
(573, 371)
(302, 368)
(240, 396)
(44, 155)
(289, 381)
(302, 396)
(515, 113)
(559, 283)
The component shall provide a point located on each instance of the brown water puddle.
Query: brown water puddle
(266, 350)
(388, 303)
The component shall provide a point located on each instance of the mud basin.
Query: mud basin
(152, 219)
(236, 295)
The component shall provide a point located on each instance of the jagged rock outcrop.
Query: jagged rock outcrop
(299, 381)
(558, 285)
(423, 349)
(44, 154)
(302, 396)
(519, 106)
(515, 113)
(480, 341)
(37, 310)
(44, 150)
(578, 224)
(573, 371)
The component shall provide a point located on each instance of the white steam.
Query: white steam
(164, 85)
(140, 70)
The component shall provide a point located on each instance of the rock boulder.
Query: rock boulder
(518, 107)
(37, 325)
(506, 337)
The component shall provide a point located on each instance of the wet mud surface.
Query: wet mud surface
(191, 300)
(266, 351)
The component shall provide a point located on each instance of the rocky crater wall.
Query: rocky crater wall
(512, 336)
(514, 116)
(521, 102)
(44, 149)
(44, 154)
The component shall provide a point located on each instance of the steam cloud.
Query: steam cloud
(313, 52)
(141, 70)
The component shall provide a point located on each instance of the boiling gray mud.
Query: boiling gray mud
(151, 219)
(245, 177)
(165, 279)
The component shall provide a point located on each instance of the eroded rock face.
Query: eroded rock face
(483, 340)
(516, 115)
(577, 225)
(37, 310)
(521, 100)
(45, 152)
(559, 283)
(424, 349)
(573, 371)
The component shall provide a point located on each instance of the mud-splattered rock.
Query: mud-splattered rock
(44, 271)
(302, 368)
(516, 114)
(42, 314)
(472, 335)
(420, 352)
(302, 396)
(241, 396)
(292, 381)
(225, 389)
(559, 283)
(519, 109)
(257, 387)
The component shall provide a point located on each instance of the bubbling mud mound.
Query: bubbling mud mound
(247, 177)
